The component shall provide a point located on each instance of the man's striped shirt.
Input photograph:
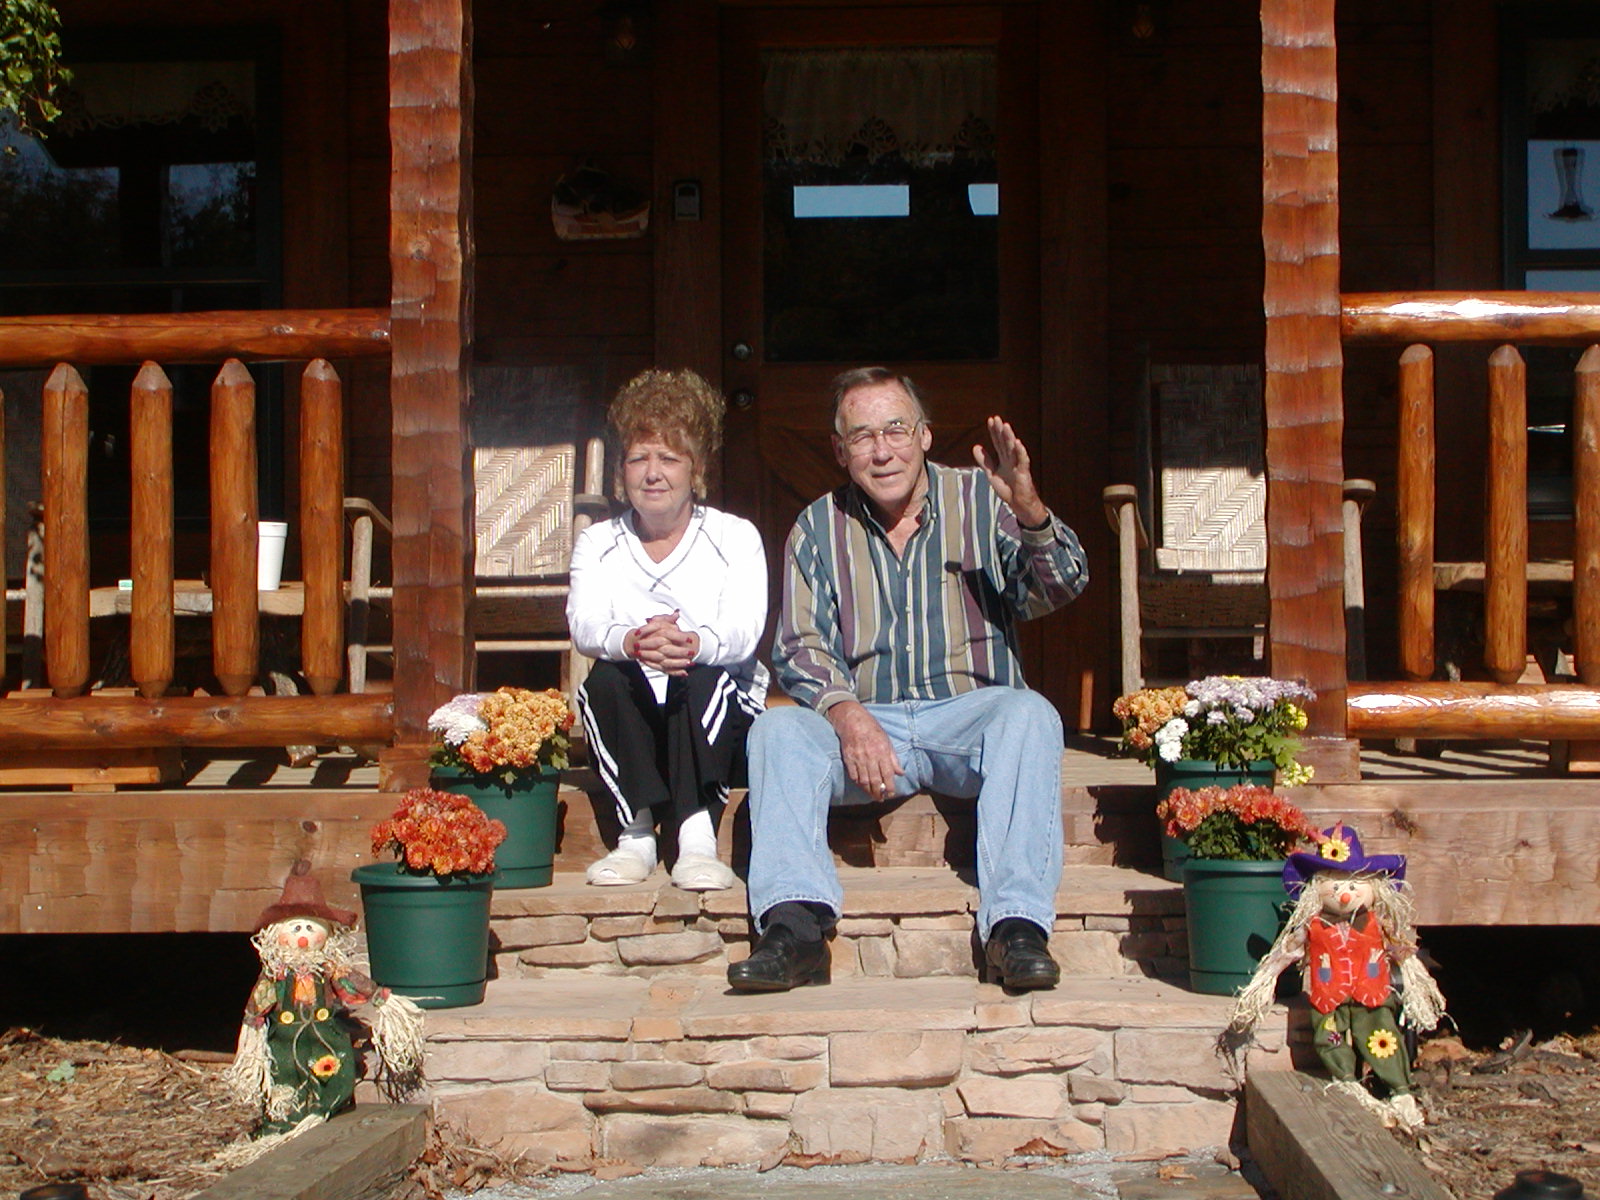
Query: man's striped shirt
(860, 623)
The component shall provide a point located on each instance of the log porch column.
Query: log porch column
(1305, 366)
(431, 266)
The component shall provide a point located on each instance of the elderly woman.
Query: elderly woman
(670, 598)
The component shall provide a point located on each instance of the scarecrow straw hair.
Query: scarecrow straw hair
(334, 958)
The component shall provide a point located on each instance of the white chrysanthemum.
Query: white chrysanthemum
(458, 720)
(1169, 739)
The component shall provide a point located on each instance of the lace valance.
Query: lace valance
(922, 105)
(115, 95)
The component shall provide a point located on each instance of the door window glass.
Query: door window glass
(880, 205)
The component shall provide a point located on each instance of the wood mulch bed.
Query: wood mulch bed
(1523, 1105)
(138, 1124)
(132, 1123)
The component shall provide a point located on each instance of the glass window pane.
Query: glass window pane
(150, 165)
(853, 200)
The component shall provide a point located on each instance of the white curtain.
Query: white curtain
(114, 95)
(1563, 72)
(925, 105)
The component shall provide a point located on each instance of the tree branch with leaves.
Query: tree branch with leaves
(30, 62)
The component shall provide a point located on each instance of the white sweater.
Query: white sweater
(715, 579)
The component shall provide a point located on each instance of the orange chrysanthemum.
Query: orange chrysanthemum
(439, 832)
(1240, 822)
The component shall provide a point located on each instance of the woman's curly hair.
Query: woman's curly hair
(677, 407)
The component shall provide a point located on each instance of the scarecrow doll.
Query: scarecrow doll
(1352, 929)
(295, 1057)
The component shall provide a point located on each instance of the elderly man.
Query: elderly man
(897, 639)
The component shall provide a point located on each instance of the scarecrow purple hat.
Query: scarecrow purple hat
(302, 897)
(1338, 849)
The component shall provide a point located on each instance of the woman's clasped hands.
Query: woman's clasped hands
(660, 644)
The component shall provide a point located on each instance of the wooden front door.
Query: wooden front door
(880, 201)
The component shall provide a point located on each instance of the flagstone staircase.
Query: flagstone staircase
(609, 1033)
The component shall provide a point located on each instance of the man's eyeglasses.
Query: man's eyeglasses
(896, 435)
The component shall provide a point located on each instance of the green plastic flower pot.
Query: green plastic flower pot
(427, 935)
(1195, 773)
(528, 807)
(1235, 910)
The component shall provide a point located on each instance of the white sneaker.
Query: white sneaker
(698, 873)
(617, 868)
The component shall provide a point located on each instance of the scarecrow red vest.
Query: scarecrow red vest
(1347, 962)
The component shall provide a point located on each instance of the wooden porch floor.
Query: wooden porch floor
(1494, 835)
(1088, 762)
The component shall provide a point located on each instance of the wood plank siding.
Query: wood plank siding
(1157, 146)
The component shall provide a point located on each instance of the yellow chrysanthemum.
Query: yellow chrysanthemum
(1382, 1044)
(1329, 1023)
(286, 1017)
(1334, 850)
(328, 1066)
(1295, 775)
(322, 1014)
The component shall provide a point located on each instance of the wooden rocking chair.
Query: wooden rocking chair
(1201, 443)
(530, 501)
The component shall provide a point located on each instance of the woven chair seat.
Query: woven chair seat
(1202, 602)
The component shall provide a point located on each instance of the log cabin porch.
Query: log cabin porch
(1522, 832)
(1496, 834)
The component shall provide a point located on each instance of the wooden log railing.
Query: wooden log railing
(1420, 706)
(71, 717)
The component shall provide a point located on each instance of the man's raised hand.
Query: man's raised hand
(1009, 472)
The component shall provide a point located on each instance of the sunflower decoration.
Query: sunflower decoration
(327, 1066)
(1336, 847)
(1382, 1044)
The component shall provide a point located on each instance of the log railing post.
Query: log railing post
(1305, 364)
(1505, 536)
(151, 654)
(235, 617)
(64, 444)
(1586, 505)
(322, 526)
(1415, 487)
(430, 326)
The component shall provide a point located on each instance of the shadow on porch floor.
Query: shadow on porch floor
(1088, 762)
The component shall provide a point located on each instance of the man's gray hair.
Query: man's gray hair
(867, 377)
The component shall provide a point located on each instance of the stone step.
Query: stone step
(902, 922)
(677, 1070)
(1101, 823)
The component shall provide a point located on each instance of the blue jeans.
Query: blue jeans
(1001, 745)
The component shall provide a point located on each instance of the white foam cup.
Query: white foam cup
(270, 537)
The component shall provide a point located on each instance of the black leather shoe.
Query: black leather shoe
(1018, 956)
(779, 962)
